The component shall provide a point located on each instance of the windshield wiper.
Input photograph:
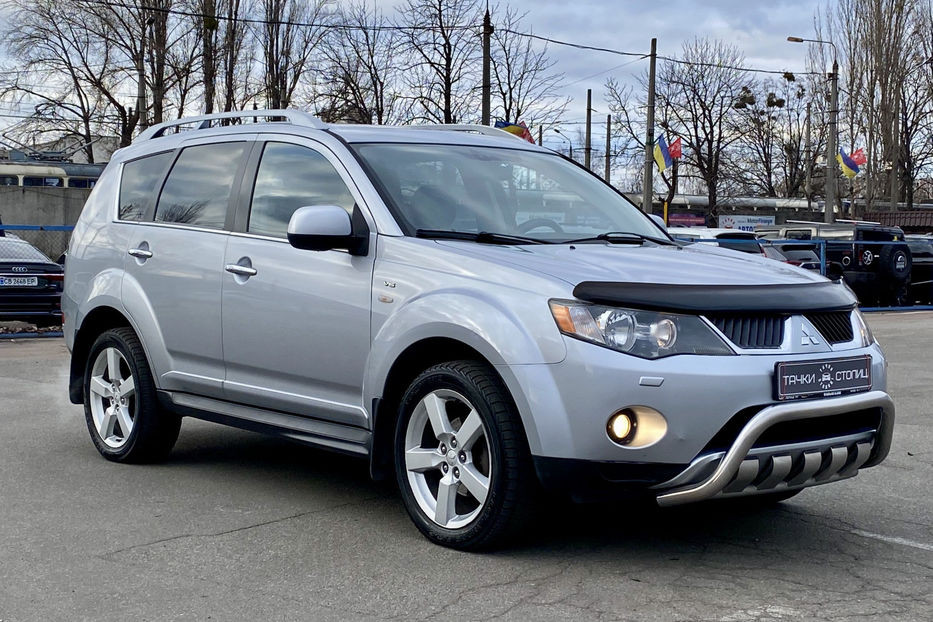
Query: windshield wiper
(483, 237)
(620, 237)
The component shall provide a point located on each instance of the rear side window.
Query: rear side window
(289, 177)
(197, 191)
(9, 180)
(138, 185)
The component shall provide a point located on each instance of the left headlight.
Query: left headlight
(648, 334)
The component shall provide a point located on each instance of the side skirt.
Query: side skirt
(309, 431)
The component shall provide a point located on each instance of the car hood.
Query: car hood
(697, 264)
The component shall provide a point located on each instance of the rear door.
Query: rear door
(175, 259)
(296, 324)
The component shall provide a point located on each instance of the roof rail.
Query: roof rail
(204, 122)
(464, 127)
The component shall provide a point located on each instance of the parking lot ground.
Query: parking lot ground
(237, 526)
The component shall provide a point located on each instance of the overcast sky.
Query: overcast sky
(758, 29)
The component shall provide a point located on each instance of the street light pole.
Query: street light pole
(569, 142)
(831, 148)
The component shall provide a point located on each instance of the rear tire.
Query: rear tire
(122, 413)
(461, 458)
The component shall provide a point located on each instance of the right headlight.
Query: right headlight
(867, 338)
(647, 334)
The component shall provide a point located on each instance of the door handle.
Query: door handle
(140, 253)
(237, 269)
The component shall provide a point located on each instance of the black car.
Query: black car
(30, 284)
(873, 259)
(921, 274)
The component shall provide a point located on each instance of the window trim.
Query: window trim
(235, 188)
(150, 211)
(250, 190)
(248, 182)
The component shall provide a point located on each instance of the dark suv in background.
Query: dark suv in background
(879, 274)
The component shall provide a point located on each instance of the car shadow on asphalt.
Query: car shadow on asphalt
(629, 527)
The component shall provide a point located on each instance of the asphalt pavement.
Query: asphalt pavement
(238, 526)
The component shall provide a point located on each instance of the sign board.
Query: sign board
(744, 222)
(686, 220)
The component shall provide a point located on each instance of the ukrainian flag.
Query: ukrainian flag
(662, 154)
(849, 167)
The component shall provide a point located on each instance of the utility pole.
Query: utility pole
(807, 184)
(141, 75)
(608, 143)
(648, 187)
(831, 148)
(588, 147)
(487, 81)
(541, 135)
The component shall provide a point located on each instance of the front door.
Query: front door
(295, 322)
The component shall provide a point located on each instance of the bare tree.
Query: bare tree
(362, 75)
(289, 35)
(525, 87)
(770, 123)
(55, 38)
(698, 91)
(442, 36)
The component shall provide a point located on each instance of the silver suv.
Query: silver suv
(476, 316)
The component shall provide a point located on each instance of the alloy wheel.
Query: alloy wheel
(447, 458)
(112, 397)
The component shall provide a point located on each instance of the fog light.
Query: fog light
(621, 426)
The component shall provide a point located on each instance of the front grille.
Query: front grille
(751, 331)
(836, 326)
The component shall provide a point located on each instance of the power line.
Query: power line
(267, 22)
(476, 27)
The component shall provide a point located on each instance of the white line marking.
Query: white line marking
(894, 540)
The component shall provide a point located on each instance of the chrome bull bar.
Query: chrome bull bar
(741, 464)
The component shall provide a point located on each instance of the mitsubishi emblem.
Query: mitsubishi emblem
(807, 339)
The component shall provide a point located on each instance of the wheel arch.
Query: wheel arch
(97, 321)
(413, 360)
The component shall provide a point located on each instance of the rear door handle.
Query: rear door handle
(140, 253)
(235, 268)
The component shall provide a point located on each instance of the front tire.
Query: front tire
(120, 407)
(461, 459)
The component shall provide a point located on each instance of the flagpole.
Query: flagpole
(648, 186)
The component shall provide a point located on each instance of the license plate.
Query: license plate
(824, 378)
(19, 281)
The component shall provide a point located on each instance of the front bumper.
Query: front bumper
(717, 410)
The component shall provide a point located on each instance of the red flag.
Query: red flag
(858, 156)
(675, 149)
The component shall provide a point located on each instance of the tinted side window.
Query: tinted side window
(198, 188)
(8, 180)
(289, 177)
(138, 185)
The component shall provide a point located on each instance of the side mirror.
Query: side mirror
(326, 227)
(658, 221)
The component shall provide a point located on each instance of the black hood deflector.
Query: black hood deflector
(789, 298)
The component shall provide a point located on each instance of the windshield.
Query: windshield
(505, 191)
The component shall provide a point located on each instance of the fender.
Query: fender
(480, 323)
(142, 317)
